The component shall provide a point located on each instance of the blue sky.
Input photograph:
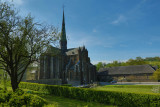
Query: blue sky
(110, 29)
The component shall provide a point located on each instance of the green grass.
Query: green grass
(130, 88)
(66, 102)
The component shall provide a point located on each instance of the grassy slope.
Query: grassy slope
(130, 88)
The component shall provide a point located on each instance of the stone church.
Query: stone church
(70, 65)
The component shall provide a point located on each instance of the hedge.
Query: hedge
(107, 97)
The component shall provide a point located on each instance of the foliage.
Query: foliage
(100, 65)
(5, 80)
(20, 98)
(156, 75)
(22, 40)
(108, 97)
(152, 58)
(154, 61)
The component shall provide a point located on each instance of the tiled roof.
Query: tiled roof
(134, 69)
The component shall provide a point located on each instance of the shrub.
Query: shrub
(20, 98)
(26, 99)
(4, 97)
(35, 101)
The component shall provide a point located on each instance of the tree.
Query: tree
(113, 64)
(137, 61)
(21, 42)
(100, 65)
(156, 75)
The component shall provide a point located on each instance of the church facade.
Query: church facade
(72, 66)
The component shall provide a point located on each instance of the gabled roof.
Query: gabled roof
(127, 70)
(74, 51)
(52, 51)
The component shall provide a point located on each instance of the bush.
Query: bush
(108, 97)
(35, 101)
(26, 99)
(4, 97)
(20, 98)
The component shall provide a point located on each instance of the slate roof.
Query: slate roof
(55, 51)
(127, 70)
(73, 51)
(52, 51)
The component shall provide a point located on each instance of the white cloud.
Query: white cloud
(132, 14)
(121, 18)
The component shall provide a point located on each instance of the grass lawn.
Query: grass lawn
(130, 88)
(66, 102)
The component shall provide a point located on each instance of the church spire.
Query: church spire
(63, 33)
(63, 40)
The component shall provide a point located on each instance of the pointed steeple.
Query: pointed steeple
(63, 32)
(63, 40)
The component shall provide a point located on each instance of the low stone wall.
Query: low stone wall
(47, 81)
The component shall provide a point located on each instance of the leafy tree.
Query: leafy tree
(156, 75)
(137, 61)
(152, 58)
(21, 42)
(139, 58)
(100, 65)
(113, 64)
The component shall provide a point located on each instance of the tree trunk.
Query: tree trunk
(14, 84)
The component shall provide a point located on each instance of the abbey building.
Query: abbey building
(72, 65)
